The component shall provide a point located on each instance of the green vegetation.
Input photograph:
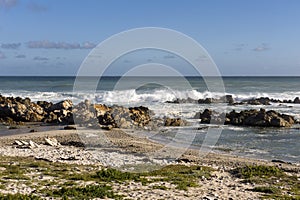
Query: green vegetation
(266, 189)
(181, 175)
(274, 182)
(109, 175)
(261, 171)
(84, 182)
(69, 181)
(18, 197)
(88, 192)
(160, 187)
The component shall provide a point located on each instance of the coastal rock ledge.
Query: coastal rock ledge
(260, 118)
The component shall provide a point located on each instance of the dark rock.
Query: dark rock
(210, 117)
(63, 105)
(297, 100)
(175, 122)
(259, 101)
(69, 128)
(259, 118)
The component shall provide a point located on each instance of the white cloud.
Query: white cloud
(240, 47)
(2, 55)
(8, 3)
(21, 56)
(36, 7)
(262, 47)
(10, 45)
(45, 44)
(39, 58)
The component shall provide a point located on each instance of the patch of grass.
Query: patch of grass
(266, 189)
(88, 192)
(14, 172)
(182, 176)
(116, 175)
(18, 197)
(261, 171)
(271, 178)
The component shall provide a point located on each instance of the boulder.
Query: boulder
(297, 100)
(63, 105)
(175, 122)
(260, 118)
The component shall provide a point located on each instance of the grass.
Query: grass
(274, 182)
(88, 192)
(84, 182)
(266, 189)
(18, 197)
(181, 175)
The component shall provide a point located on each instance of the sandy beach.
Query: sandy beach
(120, 150)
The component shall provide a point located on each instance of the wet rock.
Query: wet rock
(175, 122)
(69, 128)
(258, 101)
(63, 105)
(297, 100)
(140, 115)
(260, 118)
(210, 117)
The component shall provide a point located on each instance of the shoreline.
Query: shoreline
(119, 140)
(128, 153)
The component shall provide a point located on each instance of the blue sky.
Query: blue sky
(244, 37)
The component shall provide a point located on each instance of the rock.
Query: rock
(259, 101)
(140, 115)
(33, 144)
(175, 122)
(52, 142)
(24, 144)
(17, 142)
(69, 128)
(209, 116)
(225, 99)
(63, 105)
(297, 100)
(259, 118)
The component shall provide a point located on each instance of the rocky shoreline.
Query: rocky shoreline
(18, 110)
(97, 141)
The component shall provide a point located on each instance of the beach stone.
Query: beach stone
(175, 122)
(52, 142)
(63, 105)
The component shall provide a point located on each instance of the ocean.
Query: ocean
(153, 92)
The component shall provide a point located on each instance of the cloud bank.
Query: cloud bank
(39, 58)
(36, 7)
(45, 44)
(10, 45)
(8, 3)
(262, 47)
(2, 55)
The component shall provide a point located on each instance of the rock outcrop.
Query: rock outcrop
(175, 122)
(225, 99)
(260, 118)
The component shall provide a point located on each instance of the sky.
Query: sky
(243, 37)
